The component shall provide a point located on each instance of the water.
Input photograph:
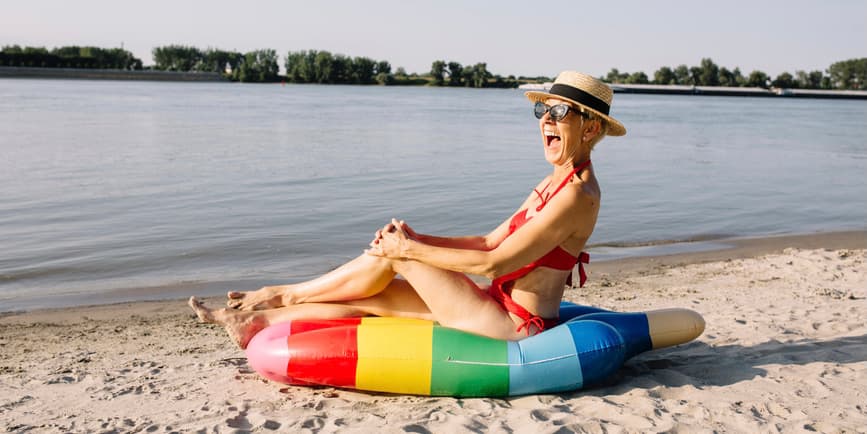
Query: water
(123, 190)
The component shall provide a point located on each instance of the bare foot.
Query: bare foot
(241, 326)
(269, 297)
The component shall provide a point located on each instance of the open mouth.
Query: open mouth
(551, 139)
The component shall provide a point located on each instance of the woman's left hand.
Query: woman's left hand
(390, 242)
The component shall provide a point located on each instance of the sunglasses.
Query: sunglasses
(558, 111)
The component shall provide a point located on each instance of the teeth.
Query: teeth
(551, 133)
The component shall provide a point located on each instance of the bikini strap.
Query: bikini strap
(566, 180)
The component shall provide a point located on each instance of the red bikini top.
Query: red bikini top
(557, 258)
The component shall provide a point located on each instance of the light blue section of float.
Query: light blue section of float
(547, 362)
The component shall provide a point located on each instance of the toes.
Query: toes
(204, 314)
(234, 294)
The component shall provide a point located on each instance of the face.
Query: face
(564, 139)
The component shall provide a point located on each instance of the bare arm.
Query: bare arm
(474, 242)
(568, 213)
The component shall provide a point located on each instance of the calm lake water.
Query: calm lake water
(116, 191)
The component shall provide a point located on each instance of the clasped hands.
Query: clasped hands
(392, 241)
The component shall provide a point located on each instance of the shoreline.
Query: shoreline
(735, 248)
(606, 269)
(16, 72)
(783, 351)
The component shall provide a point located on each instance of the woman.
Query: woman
(529, 267)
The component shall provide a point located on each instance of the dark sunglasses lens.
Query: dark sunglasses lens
(558, 112)
(539, 110)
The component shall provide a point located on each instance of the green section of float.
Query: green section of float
(468, 365)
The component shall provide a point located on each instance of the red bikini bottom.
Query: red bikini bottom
(504, 299)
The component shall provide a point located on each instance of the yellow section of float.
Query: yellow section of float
(385, 365)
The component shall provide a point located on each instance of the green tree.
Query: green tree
(727, 78)
(383, 66)
(300, 66)
(322, 66)
(708, 74)
(438, 71)
(637, 78)
(682, 75)
(615, 76)
(311, 73)
(383, 73)
(479, 75)
(814, 79)
(784, 81)
(695, 75)
(294, 65)
(757, 79)
(341, 70)
(363, 70)
(664, 75)
(258, 66)
(849, 74)
(467, 76)
(11, 49)
(818, 80)
(216, 60)
(455, 74)
(176, 58)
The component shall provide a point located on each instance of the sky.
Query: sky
(528, 38)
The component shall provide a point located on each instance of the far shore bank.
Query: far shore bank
(673, 89)
(738, 91)
(107, 74)
(649, 89)
(598, 269)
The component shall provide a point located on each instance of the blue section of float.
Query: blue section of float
(569, 310)
(546, 362)
(599, 346)
(632, 327)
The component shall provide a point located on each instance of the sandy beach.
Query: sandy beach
(784, 351)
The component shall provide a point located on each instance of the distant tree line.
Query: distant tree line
(452, 73)
(69, 57)
(325, 68)
(254, 66)
(844, 75)
(312, 66)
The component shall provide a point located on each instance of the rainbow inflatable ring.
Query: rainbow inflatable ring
(409, 356)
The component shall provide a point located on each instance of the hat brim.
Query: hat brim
(615, 128)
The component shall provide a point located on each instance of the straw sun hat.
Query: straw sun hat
(585, 91)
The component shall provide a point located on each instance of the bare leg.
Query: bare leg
(448, 297)
(362, 277)
(456, 301)
(398, 299)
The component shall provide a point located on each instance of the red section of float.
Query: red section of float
(326, 356)
(306, 325)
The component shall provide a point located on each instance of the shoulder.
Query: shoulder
(583, 192)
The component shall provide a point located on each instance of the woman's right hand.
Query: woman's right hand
(390, 227)
(411, 234)
(391, 239)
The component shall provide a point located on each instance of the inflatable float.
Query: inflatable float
(409, 356)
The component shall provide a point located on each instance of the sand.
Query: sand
(784, 351)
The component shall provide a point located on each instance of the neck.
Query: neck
(561, 170)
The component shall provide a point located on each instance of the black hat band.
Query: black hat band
(580, 96)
